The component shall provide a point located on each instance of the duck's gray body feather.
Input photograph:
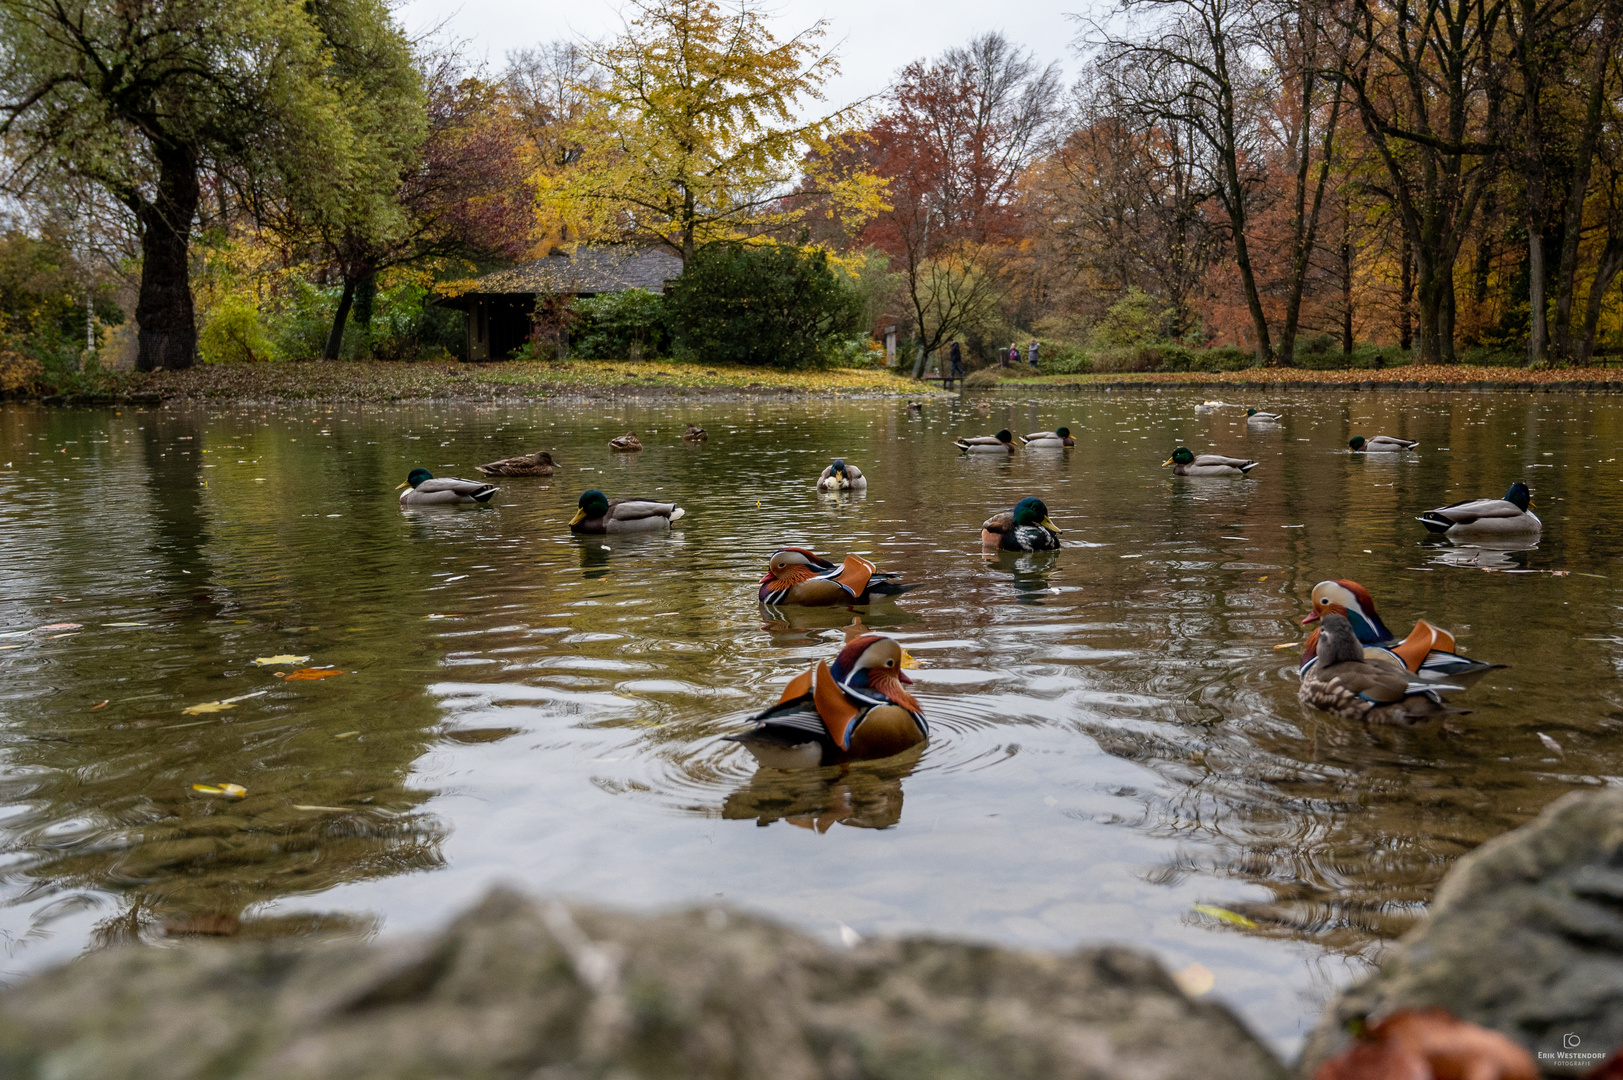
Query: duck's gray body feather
(1482, 517)
(448, 491)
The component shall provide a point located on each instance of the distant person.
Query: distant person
(956, 356)
(1031, 353)
(1014, 355)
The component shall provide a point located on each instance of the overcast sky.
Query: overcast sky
(873, 37)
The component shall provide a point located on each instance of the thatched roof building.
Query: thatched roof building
(501, 305)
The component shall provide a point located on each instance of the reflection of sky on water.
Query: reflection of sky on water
(1116, 738)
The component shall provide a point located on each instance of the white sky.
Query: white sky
(872, 37)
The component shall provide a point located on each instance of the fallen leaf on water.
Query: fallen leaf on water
(10, 646)
(333, 809)
(1194, 980)
(1560, 573)
(285, 658)
(222, 705)
(103, 705)
(307, 673)
(1286, 645)
(122, 625)
(346, 734)
(234, 791)
(58, 626)
(1224, 915)
(1554, 746)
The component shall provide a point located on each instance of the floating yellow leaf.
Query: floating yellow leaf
(308, 673)
(220, 706)
(285, 658)
(1224, 915)
(909, 660)
(230, 791)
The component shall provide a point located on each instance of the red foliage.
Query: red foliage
(1430, 1044)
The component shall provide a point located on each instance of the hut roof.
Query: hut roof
(607, 269)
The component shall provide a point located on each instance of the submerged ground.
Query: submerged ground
(1117, 737)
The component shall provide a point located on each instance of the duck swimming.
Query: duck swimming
(1001, 443)
(694, 433)
(853, 710)
(1027, 527)
(597, 514)
(1352, 686)
(1427, 652)
(1185, 463)
(1510, 516)
(430, 490)
(1257, 416)
(539, 463)
(628, 441)
(1380, 444)
(1057, 437)
(798, 576)
(842, 477)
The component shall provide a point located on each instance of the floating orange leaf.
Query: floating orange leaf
(103, 705)
(309, 673)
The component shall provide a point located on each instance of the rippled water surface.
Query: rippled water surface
(1117, 738)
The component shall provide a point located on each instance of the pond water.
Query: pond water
(1116, 737)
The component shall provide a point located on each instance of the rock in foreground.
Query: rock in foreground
(540, 991)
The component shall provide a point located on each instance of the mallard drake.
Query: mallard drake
(798, 576)
(599, 514)
(1027, 527)
(1185, 463)
(628, 441)
(694, 433)
(430, 490)
(1427, 652)
(1486, 517)
(1001, 443)
(1057, 437)
(1257, 416)
(853, 710)
(842, 477)
(539, 463)
(1377, 691)
(1380, 444)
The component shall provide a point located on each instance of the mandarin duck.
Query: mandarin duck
(1057, 437)
(694, 433)
(798, 576)
(1185, 463)
(852, 710)
(1509, 516)
(1257, 416)
(539, 463)
(1427, 652)
(1027, 527)
(430, 490)
(842, 477)
(1347, 683)
(598, 514)
(1001, 443)
(628, 441)
(1381, 444)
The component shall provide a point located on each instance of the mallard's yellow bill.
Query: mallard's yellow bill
(1165, 463)
(1048, 523)
(402, 484)
(580, 516)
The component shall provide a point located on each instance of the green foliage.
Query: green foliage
(233, 332)
(42, 308)
(1062, 358)
(627, 325)
(766, 306)
(1136, 319)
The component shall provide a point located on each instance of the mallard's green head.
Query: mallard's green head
(838, 467)
(1064, 432)
(1004, 436)
(1519, 495)
(1357, 442)
(1033, 512)
(593, 504)
(1181, 456)
(1251, 412)
(415, 477)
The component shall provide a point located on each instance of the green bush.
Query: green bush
(1136, 319)
(42, 308)
(761, 306)
(232, 331)
(628, 325)
(1062, 358)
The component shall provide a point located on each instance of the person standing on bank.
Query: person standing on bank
(956, 357)
(1014, 355)
(1031, 353)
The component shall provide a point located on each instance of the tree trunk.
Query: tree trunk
(1611, 261)
(366, 294)
(1346, 278)
(335, 340)
(166, 324)
(1406, 296)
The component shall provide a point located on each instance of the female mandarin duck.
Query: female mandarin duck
(1001, 443)
(1380, 444)
(798, 576)
(539, 463)
(842, 477)
(430, 490)
(598, 514)
(1509, 516)
(1057, 437)
(628, 441)
(1349, 684)
(1027, 527)
(853, 710)
(1185, 463)
(1427, 652)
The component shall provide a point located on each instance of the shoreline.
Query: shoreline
(1430, 377)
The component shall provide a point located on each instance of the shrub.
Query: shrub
(980, 380)
(233, 331)
(1136, 319)
(627, 325)
(769, 305)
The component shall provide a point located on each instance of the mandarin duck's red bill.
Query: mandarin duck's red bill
(799, 576)
(1428, 651)
(855, 709)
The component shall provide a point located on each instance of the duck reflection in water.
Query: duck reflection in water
(1028, 571)
(863, 797)
(1479, 553)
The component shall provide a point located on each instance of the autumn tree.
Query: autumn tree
(691, 132)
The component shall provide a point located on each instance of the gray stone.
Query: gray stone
(540, 991)
(1525, 936)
